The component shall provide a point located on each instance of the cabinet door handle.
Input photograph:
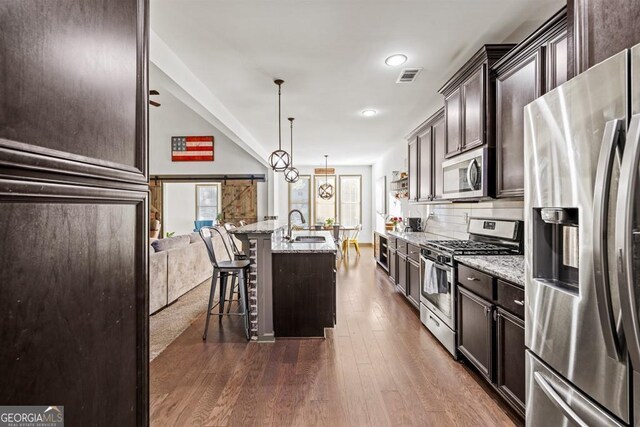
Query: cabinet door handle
(518, 302)
(434, 321)
(487, 310)
(472, 279)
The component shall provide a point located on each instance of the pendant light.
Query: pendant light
(325, 191)
(291, 174)
(279, 160)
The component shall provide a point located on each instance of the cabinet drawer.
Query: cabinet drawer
(413, 252)
(391, 242)
(480, 283)
(401, 246)
(511, 298)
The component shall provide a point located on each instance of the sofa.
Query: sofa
(177, 265)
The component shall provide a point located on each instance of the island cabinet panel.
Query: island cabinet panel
(439, 153)
(425, 166)
(510, 352)
(413, 170)
(475, 331)
(525, 73)
(304, 294)
(453, 122)
(470, 102)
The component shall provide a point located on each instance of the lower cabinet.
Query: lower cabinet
(491, 333)
(413, 283)
(393, 266)
(401, 283)
(510, 350)
(475, 331)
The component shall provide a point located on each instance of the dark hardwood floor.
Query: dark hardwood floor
(379, 366)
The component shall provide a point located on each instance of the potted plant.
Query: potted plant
(328, 223)
(219, 218)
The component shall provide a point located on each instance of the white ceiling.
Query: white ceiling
(331, 55)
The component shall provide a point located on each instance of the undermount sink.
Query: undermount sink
(309, 239)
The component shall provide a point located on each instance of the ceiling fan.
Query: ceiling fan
(154, 103)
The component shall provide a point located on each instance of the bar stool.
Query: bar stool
(237, 256)
(223, 270)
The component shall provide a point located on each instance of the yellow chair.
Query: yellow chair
(352, 239)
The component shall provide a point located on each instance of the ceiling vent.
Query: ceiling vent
(408, 75)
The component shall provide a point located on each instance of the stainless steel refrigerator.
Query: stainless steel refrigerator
(582, 154)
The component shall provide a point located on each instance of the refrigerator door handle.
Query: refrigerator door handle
(612, 146)
(557, 400)
(624, 240)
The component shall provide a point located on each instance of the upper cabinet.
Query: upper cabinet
(470, 103)
(536, 65)
(426, 153)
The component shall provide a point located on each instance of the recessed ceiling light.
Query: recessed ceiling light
(395, 60)
(369, 113)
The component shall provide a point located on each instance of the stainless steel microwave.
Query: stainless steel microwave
(465, 176)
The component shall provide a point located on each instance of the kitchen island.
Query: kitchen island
(304, 284)
(264, 242)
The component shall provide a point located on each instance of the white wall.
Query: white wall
(448, 220)
(366, 236)
(174, 118)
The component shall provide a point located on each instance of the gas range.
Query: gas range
(443, 251)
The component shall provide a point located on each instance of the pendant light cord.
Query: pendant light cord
(326, 172)
(279, 118)
(291, 155)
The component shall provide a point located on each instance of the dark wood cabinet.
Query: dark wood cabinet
(525, 73)
(413, 283)
(393, 266)
(473, 111)
(510, 352)
(491, 331)
(515, 88)
(304, 294)
(414, 172)
(380, 252)
(469, 102)
(439, 153)
(401, 284)
(74, 209)
(557, 60)
(453, 122)
(429, 142)
(475, 331)
(425, 166)
(598, 29)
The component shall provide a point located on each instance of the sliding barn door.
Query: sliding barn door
(73, 208)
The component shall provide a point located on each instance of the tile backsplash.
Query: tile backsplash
(450, 220)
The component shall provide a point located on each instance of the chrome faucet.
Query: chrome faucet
(288, 236)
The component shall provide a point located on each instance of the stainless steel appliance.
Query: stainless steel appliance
(582, 265)
(437, 303)
(466, 176)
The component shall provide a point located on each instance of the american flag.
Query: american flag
(191, 148)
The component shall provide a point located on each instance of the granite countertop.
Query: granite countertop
(414, 237)
(507, 267)
(262, 227)
(279, 245)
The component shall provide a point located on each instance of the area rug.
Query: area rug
(167, 325)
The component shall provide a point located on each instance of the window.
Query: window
(300, 196)
(324, 209)
(207, 201)
(350, 200)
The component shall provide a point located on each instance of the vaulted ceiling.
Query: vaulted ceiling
(331, 55)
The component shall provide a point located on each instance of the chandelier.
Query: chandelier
(291, 174)
(279, 160)
(325, 191)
